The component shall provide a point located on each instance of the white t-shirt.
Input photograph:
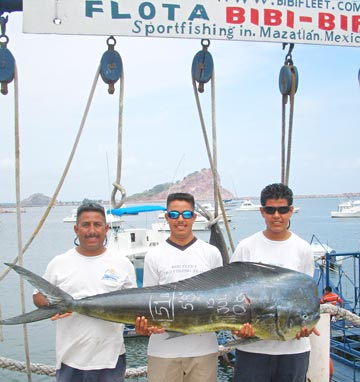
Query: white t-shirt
(168, 263)
(293, 253)
(84, 342)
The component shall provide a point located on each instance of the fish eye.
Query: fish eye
(305, 316)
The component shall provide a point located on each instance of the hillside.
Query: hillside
(36, 200)
(199, 183)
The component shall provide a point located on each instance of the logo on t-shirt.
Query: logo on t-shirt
(111, 275)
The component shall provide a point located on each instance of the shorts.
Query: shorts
(70, 374)
(183, 369)
(254, 367)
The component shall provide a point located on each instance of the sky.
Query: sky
(162, 136)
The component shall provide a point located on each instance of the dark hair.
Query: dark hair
(276, 191)
(181, 196)
(328, 289)
(90, 206)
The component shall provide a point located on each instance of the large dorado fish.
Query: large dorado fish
(276, 301)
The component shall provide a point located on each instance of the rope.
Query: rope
(22, 250)
(116, 184)
(18, 217)
(283, 135)
(286, 158)
(41, 369)
(291, 120)
(58, 188)
(217, 191)
(340, 313)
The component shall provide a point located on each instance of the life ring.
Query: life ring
(331, 369)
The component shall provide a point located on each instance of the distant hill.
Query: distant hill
(36, 200)
(199, 183)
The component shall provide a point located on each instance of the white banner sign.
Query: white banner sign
(324, 22)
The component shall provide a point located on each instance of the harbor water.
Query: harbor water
(343, 235)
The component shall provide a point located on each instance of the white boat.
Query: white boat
(134, 243)
(248, 205)
(200, 224)
(110, 219)
(230, 203)
(348, 209)
(320, 250)
(11, 210)
(208, 207)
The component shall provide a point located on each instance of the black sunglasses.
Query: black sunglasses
(270, 210)
(185, 214)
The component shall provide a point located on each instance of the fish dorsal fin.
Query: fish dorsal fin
(225, 276)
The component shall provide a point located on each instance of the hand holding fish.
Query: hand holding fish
(141, 327)
(305, 332)
(245, 331)
(41, 301)
(58, 315)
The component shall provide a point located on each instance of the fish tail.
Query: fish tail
(217, 239)
(35, 315)
(59, 300)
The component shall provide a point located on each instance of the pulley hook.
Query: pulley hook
(289, 76)
(111, 67)
(288, 57)
(203, 65)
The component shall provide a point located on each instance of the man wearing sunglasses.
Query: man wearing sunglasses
(192, 357)
(280, 361)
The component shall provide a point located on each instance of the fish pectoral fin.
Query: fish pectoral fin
(265, 317)
(35, 315)
(241, 341)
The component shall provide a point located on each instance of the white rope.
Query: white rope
(58, 188)
(41, 369)
(36, 368)
(21, 249)
(340, 313)
(117, 185)
(18, 218)
(213, 165)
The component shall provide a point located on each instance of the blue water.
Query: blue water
(55, 237)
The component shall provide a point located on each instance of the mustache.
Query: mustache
(91, 235)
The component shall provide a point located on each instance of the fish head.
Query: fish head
(303, 310)
(290, 323)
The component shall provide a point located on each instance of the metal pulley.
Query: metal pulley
(288, 75)
(202, 66)
(111, 67)
(7, 60)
